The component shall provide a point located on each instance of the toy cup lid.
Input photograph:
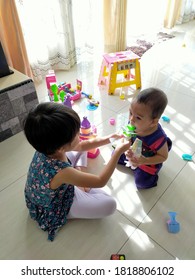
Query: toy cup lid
(85, 123)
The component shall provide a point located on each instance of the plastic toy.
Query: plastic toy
(74, 93)
(50, 78)
(68, 101)
(187, 157)
(166, 119)
(117, 257)
(93, 104)
(88, 132)
(137, 147)
(54, 90)
(58, 92)
(137, 151)
(128, 131)
(172, 224)
(87, 95)
(112, 121)
(122, 95)
(62, 95)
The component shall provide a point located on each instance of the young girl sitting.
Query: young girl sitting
(55, 186)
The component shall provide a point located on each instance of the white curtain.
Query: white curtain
(88, 28)
(144, 17)
(187, 11)
(49, 36)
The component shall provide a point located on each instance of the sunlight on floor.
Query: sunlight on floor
(142, 240)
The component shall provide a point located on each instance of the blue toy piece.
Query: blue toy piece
(166, 119)
(172, 224)
(87, 95)
(187, 157)
(91, 107)
(93, 104)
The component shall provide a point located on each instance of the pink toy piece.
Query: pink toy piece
(76, 95)
(93, 155)
(50, 79)
(94, 129)
(112, 121)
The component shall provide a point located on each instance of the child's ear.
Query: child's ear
(155, 121)
(61, 149)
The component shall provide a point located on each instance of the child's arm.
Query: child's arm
(96, 142)
(75, 177)
(161, 156)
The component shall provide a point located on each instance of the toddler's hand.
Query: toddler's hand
(133, 160)
(129, 154)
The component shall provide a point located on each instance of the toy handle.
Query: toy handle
(172, 216)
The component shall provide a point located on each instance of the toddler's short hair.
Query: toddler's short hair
(155, 98)
(50, 126)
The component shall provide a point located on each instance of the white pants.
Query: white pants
(94, 204)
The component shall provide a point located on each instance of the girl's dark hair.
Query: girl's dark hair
(50, 126)
(155, 98)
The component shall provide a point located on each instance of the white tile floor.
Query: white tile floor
(138, 228)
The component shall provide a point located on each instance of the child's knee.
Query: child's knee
(110, 207)
(146, 182)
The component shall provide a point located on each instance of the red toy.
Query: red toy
(117, 257)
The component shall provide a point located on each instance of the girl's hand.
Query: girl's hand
(123, 145)
(116, 136)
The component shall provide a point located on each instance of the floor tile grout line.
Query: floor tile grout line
(9, 185)
(163, 193)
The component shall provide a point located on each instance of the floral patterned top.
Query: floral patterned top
(48, 207)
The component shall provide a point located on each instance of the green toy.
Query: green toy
(62, 95)
(128, 131)
(54, 90)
